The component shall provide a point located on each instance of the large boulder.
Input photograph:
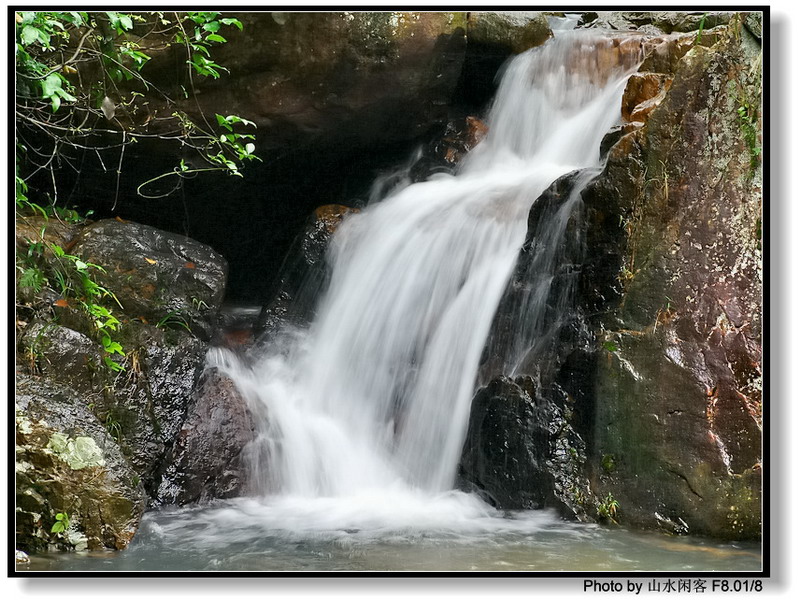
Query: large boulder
(209, 458)
(638, 295)
(160, 277)
(68, 464)
(152, 397)
(674, 279)
(521, 453)
(513, 32)
(141, 401)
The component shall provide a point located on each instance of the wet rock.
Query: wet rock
(157, 276)
(208, 459)
(152, 397)
(303, 275)
(521, 453)
(68, 464)
(460, 136)
(673, 281)
(615, 134)
(511, 32)
(664, 53)
(63, 355)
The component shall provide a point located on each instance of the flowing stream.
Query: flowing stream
(363, 415)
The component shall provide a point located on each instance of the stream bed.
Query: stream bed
(455, 532)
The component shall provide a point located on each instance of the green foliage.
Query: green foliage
(173, 319)
(610, 346)
(607, 508)
(608, 463)
(700, 28)
(48, 264)
(62, 523)
(748, 123)
(81, 74)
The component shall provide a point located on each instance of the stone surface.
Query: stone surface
(513, 32)
(163, 278)
(339, 78)
(643, 93)
(303, 275)
(63, 355)
(153, 396)
(67, 463)
(139, 408)
(208, 459)
(520, 453)
(673, 278)
(657, 21)
(655, 363)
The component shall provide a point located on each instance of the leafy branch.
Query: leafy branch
(82, 80)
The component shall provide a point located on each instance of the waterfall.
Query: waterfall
(375, 394)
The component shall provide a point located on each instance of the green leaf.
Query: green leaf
(114, 366)
(212, 26)
(201, 48)
(120, 22)
(213, 37)
(610, 346)
(231, 21)
(31, 34)
(51, 84)
(32, 278)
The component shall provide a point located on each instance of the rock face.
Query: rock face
(159, 276)
(68, 464)
(674, 269)
(343, 78)
(208, 459)
(655, 22)
(512, 32)
(303, 275)
(152, 399)
(521, 453)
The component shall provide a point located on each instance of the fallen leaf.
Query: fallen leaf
(121, 220)
(61, 302)
(151, 261)
(189, 265)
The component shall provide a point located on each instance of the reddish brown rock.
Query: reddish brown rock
(643, 93)
(674, 273)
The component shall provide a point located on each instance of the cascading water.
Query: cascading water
(372, 402)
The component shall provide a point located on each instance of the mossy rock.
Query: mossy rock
(68, 464)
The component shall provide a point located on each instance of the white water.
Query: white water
(364, 415)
